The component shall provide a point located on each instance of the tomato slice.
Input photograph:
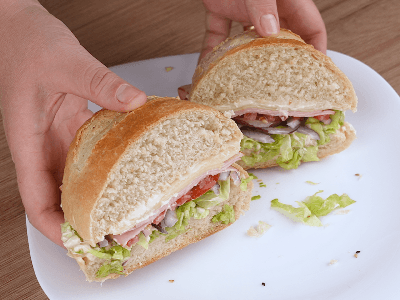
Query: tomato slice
(201, 188)
(322, 117)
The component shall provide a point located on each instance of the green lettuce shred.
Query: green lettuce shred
(112, 267)
(143, 241)
(312, 208)
(113, 255)
(245, 181)
(226, 216)
(289, 150)
(255, 197)
(197, 209)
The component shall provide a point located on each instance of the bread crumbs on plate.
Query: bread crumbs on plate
(356, 254)
(333, 262)
(171, 280)
(169, 69)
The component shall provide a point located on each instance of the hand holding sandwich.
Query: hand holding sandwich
(267, 16)
(45, 80)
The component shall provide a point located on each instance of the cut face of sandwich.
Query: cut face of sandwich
(287, 98)
(140, 185)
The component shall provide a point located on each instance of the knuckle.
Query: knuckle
(99, 78)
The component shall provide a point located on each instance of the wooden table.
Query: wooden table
(122, 31)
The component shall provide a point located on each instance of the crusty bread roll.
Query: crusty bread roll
(197, 230)
(121, 167)
(282, 73)
(273, 73)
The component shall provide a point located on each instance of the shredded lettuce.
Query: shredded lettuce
(255, 197)
(320, 207)
(210, 199)
(225, 186)
(197, 209)
(112, 267)
(245, 181)
(290, 150)
(226, 216)
(113, 255)
(143, 241)
(312, 208)
(298, 214)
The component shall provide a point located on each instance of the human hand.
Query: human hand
(46, 77)
(267, 16)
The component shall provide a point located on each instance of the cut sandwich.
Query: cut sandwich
(287, 98)
(140, 185)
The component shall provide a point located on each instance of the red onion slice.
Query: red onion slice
(293, 123)
(305, 130)
(258, 136)
(261, 124)
(285, 130)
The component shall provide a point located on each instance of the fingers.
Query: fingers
(303, 18)
(183, 91)
(263, 15)
(41, 199)
(217, 30)
(86, 77)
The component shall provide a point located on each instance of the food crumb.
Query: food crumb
(255, 197)
(262, 227)
(356, 254)
(171, 280)
(333, 261)
(262, 184)
(359, 175)
(342, 212)
(169, 69)
(263, 283)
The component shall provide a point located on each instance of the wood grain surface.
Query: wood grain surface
(122, 31)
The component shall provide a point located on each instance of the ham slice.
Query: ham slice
(123, 238)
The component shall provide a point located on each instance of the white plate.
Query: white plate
(291, 258)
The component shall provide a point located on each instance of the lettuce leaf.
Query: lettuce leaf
(320, 207)
(298, 214)
(112, 267)
(245, 181)
(226, 216)
(290, 150)
(312, 208)
(225, 187)
(209, 199)
(197, 209)
(143, 241)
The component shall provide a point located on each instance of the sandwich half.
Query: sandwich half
(287, 98)
(142, 184)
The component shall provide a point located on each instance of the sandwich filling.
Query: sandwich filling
(171, 220)
(288, 137)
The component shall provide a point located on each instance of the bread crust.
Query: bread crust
(198, 230)
(286, 39)
(340, 141)
(105, 137)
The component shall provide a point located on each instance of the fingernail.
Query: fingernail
(269, 24)
(126, 93)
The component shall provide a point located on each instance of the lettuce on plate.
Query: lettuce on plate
(290, 150)
(312, 208)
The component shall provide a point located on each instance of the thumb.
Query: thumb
(263, 15)
(88, 78)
